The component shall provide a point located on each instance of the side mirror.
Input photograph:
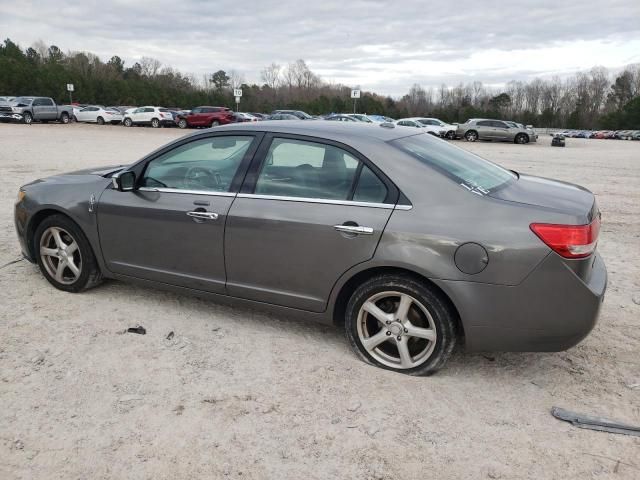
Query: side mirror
(124, 181)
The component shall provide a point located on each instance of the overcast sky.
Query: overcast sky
(384, 46)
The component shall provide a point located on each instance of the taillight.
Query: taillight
(570, 241)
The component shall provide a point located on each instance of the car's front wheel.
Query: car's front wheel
(155, 123)
(471, 136)
(215, 123)
(64, 118)
(182, 123)
(451, 135)
(522, 138)
(127, 122)
(27, 118)
(398, 323)
(64, 255)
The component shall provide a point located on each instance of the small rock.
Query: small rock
(372, 430)
(335, 421)
(179, 409)
(38, 359)
(18, 445)
(636, 299)
(354, 406)
(170, 335)
(632, 386)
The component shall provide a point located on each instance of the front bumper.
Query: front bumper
(553, 309)
(10, 117)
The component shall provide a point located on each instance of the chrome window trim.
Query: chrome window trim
(350, 203)
(191, 192)
(404, 207)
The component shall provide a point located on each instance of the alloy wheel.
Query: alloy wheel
(471, 136)
(396, 330)
(60, 255)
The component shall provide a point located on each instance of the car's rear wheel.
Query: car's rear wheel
(398, 323)
(522, 138)
(182, 123)
(471, 136)
(100, 121)
(215, 123)
(64, 255)
(127, 122)
(27, 118)
(155, 123)
(65, 118)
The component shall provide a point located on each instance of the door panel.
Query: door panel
(148, 234)
(289, 253)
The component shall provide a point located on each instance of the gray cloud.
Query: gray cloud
(382, 45)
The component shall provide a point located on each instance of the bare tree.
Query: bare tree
(271, 75)
(149, 66)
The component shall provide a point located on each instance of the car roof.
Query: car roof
(337, 131)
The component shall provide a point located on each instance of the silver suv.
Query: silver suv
(486, 129)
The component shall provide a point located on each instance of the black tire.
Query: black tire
(155, 123)
(127, 122)
(100, 121)
(451, 135)
(471, 136)
(182, 123)
(27, 118)
(215, 123)
(64, 118)
(89, 275)
(521, 139)
(442, 316)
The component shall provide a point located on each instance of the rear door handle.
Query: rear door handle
(354, 229)
(203, 215)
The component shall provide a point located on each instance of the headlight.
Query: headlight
(15, 109)
(21, 195)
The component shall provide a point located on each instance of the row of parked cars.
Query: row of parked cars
(44, 109)
(602, 134)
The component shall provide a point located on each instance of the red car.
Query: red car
(205, 117)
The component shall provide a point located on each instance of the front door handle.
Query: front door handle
(355, 229)
(203, 215)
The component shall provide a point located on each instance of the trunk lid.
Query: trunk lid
(550, 194)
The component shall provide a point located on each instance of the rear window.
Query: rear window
(470, 171)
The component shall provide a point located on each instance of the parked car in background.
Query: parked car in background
(360, 117)
(339, 117)
(98, 114)
(496, 130)
(205, 116)
(297, 113)
(282, 116)
(7, 99)
(30, 109)
(259, 116)
(240, 117)
(154, 116)
(407, 243)
(416, 123)
(380, 119)
(446, 130)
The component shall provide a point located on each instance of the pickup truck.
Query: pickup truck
(30, 109)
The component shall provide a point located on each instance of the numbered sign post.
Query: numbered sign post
(70, 89)
(355, 94)
(237, 92)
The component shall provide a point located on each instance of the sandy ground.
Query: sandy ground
(245, 395)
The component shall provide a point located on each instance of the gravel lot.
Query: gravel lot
(241, 394)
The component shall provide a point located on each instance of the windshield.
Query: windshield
(470, 171)
(23, 101)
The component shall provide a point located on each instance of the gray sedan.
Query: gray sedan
(408, 243)
(484, 129)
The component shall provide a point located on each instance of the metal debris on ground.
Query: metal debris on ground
(595, 423)
(140, 330)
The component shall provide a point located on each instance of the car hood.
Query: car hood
(550, 194)
(102, 171)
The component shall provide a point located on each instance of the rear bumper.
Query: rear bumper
(551, 310)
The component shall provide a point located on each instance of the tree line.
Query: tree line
(593, 99)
